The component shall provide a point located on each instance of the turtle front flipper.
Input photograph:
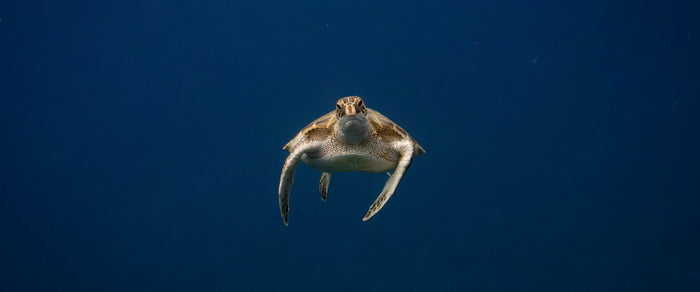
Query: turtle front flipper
(287, 177)
(324, 183)
(406, 150)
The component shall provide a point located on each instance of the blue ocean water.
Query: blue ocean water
(142, 145)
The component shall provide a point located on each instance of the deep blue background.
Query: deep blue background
(141, 145)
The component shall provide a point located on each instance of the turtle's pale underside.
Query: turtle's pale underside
(351, 138)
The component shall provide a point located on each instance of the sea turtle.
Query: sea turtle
(350, 138)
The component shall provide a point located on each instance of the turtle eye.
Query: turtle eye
(359, 103)
(337, 106)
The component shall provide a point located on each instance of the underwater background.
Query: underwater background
(142, 145)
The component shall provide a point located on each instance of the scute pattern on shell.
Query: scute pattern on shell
(323, 128)
(318, 130)
(383, 128)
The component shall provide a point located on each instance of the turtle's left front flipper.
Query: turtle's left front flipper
(406, 150)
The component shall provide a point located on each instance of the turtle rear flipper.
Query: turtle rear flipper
(324, 183)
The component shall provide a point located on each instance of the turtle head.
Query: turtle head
(350, 106)
(353, 126)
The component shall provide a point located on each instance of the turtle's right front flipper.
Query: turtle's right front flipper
(287, 177)
(324, 183)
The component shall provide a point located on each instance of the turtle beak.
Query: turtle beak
(350, 110)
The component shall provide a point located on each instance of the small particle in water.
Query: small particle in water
(692, 274)
(534, 61)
